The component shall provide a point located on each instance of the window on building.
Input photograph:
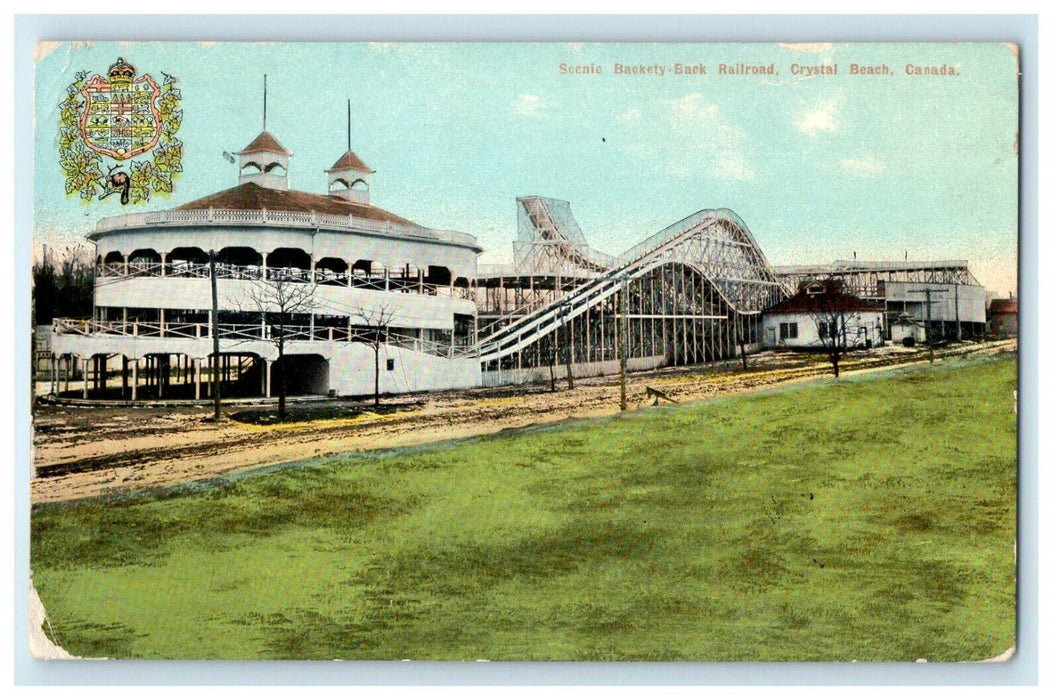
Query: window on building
(390, 364)
(789, 331)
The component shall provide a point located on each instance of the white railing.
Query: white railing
(244, 332)
(322, 276)
(71, 326)
(178, 217)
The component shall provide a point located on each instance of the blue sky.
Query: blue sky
(818, 167)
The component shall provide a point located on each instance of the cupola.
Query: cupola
(264, 162)
(350, 178)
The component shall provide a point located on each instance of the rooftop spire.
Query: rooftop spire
(349, 178)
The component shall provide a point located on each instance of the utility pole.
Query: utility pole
(215, 376)
(957, 308)
(622, 345)
(927, 327)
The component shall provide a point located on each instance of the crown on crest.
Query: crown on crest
(121, 72)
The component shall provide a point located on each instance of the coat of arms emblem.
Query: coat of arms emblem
(117, 118)
(120, 117)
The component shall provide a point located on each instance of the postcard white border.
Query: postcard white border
(1020, 29)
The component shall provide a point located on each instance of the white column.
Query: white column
(268, 379)
(136, 376)
(198, 376)
(84, 378)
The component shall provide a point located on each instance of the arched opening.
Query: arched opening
(144, 255)
(188, 255)
(332, 271)
(239, 255)
(289, 264)
(359, 185)
(303, 375)
(368, 273)
(112, 264)
(145, 262)
(439, 276)
(187, 262)
(239, 262)
(462, 288)
(275, 166)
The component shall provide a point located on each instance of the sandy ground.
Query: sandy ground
(88, 452)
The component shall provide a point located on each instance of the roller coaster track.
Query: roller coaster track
(562, 248)
(716, 243)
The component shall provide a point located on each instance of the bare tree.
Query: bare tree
(565, 344)
(837, 317)
(548, 351)
(832, 332)
(556, 345)
(373, 331)
(279, 300)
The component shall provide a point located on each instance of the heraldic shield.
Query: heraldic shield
(120, 117)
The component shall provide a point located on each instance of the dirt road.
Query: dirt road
(88, 452)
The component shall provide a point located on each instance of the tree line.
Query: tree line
(62, 285)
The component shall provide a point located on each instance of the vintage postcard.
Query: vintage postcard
(525, 351)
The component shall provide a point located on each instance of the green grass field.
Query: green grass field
(870, 518)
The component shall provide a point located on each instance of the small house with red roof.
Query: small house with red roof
(821, 315)
(1003, 316)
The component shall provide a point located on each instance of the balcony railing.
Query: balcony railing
(321, 276)
(222, 217)
(246, 332)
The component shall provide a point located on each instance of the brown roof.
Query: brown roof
(265, 142)
(252, 196)
(1004, 306)
(349, 159)
(829, 301)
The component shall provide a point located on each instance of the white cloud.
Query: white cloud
(692, 110)
(706, 142)
(819, 119)
(529, 106)
(809, 47)
(631, 117)
(862, 166)
(688, 137)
